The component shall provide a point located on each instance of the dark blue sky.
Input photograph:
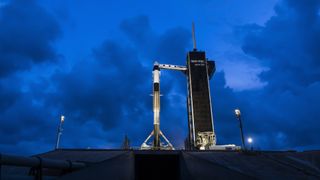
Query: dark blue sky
(92, 62)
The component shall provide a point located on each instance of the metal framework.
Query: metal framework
(173, 67)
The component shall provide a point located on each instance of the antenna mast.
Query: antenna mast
(194, 37)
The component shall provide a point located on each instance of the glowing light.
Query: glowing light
(250, 140)
(237, 112)
(62, 118)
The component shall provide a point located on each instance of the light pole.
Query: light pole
(238, 115)
(60, 129)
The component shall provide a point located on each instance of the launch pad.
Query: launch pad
(198, 71)
(201, 132)
(184, 165)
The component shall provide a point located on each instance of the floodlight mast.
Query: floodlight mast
(238, 116)
(59, 133)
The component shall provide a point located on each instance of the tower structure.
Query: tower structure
(199, 71)
(199, 106)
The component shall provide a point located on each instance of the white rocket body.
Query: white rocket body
(156, 133)
(156, 97)
(156, 105)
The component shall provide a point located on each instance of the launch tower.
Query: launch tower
(199, 71)
(199, 106)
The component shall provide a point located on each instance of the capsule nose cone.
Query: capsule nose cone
(156, 67)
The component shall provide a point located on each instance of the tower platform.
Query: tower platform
(177, 164)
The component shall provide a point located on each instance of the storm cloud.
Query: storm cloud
(105, 94)
(27, 35)
(283, 114)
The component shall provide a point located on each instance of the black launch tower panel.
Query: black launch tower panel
(200, 119)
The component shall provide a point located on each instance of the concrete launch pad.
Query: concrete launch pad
(178, 164)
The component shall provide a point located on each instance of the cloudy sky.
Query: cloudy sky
(91, 61)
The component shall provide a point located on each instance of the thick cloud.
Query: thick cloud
(24, 120)
(104, 96)
(288, 44)
(26, 36)
(106, 88)
(284, 114)
(169, 47)
(112, 87)
(8, 94)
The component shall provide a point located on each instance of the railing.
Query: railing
(36, 164)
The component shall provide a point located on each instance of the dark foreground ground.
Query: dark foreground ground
(133, 164)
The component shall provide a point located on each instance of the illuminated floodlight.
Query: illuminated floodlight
(250, 140)
(237, 112)
(60, 129)
(62, 118)
(238, 115)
